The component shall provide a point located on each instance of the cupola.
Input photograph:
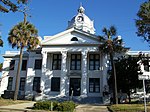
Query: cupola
(81, 22)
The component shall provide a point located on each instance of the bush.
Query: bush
(66, 106)
(44, 105)
(63, 106)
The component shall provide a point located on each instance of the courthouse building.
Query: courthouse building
(67, 65)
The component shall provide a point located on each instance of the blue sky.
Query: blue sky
(51, 17)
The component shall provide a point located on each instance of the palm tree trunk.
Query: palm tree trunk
(19, 64)
(115, 94)
(18, 74)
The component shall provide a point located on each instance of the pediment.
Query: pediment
(71, 36)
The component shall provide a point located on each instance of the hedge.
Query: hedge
(55, 106)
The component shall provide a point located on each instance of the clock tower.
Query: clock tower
(82, 22)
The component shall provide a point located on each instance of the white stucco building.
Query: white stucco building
(68, 64)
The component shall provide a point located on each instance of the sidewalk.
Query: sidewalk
(26, 107)
(91, 108)
(23, 107)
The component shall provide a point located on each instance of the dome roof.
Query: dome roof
(82, 22)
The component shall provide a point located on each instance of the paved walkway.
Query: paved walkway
(91, 108)
(25, 107)
(17, 107)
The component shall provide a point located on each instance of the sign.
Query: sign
(144, 77)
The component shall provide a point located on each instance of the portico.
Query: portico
(72, 69)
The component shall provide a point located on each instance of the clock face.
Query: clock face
(80, 18)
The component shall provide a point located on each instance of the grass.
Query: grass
(128, 108)
(4, 102)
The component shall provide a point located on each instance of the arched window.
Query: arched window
(74, 39)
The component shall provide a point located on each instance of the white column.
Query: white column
(63, 74)
(5, 75)
(30, 77)
(105, 66)
(44, 63)
(84, 74)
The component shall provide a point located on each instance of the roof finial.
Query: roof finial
(81, 9)
(80, 4)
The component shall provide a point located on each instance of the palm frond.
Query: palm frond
(113, 31)
(23, 35)
(109, 44)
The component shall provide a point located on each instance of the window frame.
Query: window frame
(76, 60)
(38, 64)
(95, 83)
(94, 60)
(10, 83)
(36, 84)
(58, 62)
(74, 39)
(22, 84)
(55, 84)
(12, 65)
(24, 65)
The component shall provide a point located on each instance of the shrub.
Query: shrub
(63, 106)
(66, 106)
(44, 105)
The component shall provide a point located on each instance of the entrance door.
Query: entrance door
(75, 86)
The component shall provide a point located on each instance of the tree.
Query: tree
(127, 75)
(111, 45)
(1, 65)
(143, 21)
(10, 6)
(1, 42)
(23, 35)
(7, 5)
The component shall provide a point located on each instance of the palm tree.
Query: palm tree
(23, 35)
(111, 46)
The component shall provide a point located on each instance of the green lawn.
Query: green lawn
(4, 102)
(129, 108)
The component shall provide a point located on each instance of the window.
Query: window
(94, 85)
(22, 84)
(74, 39)
(55, 84)
(24, 65)
(10, 83)
(38, 64)
(12, 65)
(36, 83)
(56, 62)
(146, 65)
(94, 62)
(38, 52)
(75, 62)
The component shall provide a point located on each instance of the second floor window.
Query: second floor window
(12, 65)
(75, 62)
(56, 62)
(24, 65)
(146, 65)
(10, 83)
(94, 62)
(38, 64)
